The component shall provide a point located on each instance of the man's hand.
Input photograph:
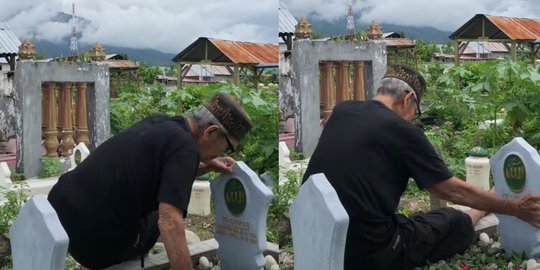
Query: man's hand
(219, 164)
(457, 191)
(528, 209)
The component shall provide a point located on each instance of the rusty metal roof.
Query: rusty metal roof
(398, 42)
(498, 27)
(121, 64)
(208, 50)
(9, 43)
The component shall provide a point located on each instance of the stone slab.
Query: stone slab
(319, 226)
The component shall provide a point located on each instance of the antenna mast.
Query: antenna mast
(351, 32)
(74, 47)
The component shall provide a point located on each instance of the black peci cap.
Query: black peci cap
(230, 114)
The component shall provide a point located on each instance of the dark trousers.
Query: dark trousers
(101, 251)
(430, 237)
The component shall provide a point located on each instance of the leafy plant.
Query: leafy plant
(15, 176)
(11, 207)
(50, 167)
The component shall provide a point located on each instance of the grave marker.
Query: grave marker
(242, 202)
(5, 176)
(319, 226)
(80, 152)
(38, 240)
(199, 201)
(284, 156)
(516, 172)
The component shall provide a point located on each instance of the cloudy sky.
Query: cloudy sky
(165, 25)
(442, 14)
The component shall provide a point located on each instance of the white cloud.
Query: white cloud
(440, 14)
(165, 25)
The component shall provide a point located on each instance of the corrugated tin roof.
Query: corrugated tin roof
(121, 64)
(226, 51)
(485, 48)
(287, 22)
(207, 70)
(9, 43)
(498, 27)
(398, 42)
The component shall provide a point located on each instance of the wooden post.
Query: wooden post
(331, 87)
(236, 75)
(359, 88)
(51, 139)
(514, 50)
(82, 115)
(67, 132)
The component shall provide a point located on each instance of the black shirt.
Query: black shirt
(125, 178)
(368, 153)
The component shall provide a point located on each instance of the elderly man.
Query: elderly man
(136, 186)
(368, 151)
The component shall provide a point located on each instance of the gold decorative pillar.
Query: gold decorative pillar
(303, 29)
(51, 139)
(67, 132)
(323, 97)
(27, 50)
(342, 83)
(44, 109)
(328, 94)
(358, 84)
(59, 113)
(82, 115)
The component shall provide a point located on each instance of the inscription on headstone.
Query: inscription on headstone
(242, 202)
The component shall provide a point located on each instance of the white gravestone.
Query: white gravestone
(38, 240)
(80, 152)
(199, 202)
(319, 226)
(284, 156)
(242, 202)
(5, 176)
(516, 172)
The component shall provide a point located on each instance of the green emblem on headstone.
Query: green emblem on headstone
(514, 173)
(78, 157)
(235, 196)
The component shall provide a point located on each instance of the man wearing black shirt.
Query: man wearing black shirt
(136, 186)
(368, 151)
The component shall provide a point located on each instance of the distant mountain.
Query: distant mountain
(339, 27)
(150, 56)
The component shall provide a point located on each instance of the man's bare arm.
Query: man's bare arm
(457, 191)
(171, 228)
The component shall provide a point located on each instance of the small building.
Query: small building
(484, 29)
(233, 55)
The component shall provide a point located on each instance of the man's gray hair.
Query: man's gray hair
(394, 87)
(204, 118)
